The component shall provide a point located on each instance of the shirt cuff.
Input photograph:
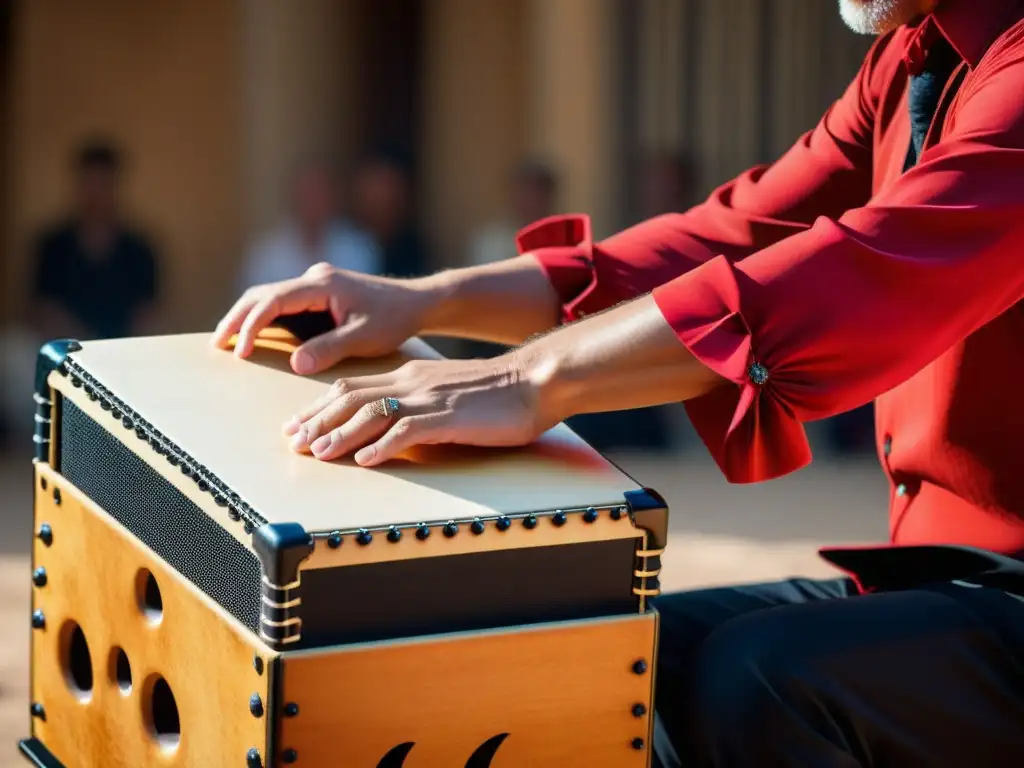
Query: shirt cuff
(564, 246)
(746, 425)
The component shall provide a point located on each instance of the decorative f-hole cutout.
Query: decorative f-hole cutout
(121, 670)
(161, 713)
(75, 661)
(147, 592)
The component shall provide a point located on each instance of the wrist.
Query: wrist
(436, 297)
(546, 372)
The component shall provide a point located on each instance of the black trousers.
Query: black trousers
(808, 674)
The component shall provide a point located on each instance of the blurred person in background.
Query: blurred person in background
(95, 276)
(532, 195)
(315, 232)
(666, 183)
(383, 205)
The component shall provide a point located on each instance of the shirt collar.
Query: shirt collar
(969, 25)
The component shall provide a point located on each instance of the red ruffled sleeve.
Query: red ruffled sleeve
(747, 427)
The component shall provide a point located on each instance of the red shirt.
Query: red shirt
(843, 279)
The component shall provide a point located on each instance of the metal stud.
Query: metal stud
(477, 526)
(37, 710)
(248, 526)
(186, 471)
(256, 705)
(530, 521)
(451, 528)
(289, 756)
(233, 514)
(364, 537)
(39, 577)
(559, 518)
(45, 534)
(38, 619)
(422, 531)
(616, 514)
(253, 759)
(257, 663)
(105, 405)
(291, 709)
(590, 515)
(220, 501)
(639, 710)
(639, 667)
(394, 534)
(56, 496)
(503, 523)
(757, 373)
(334, 540)
(116, 413)
(128, 423)
(42, 483)
(637, 743)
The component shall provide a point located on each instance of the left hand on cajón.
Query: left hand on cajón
(470, 402)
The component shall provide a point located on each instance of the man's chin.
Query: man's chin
(876, 17)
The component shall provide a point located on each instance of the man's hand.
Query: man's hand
(471, 402)
(626, 358)
(374, 315)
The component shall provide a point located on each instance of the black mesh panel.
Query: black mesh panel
(162, 517)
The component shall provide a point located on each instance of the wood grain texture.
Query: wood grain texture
(563, 693)
(95, 573)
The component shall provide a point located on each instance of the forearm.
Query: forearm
(628, 357)
(507, 302)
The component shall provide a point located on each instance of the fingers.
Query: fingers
(361, 428)
(232, 321)
(320, 353)
(259, 307)
(334, 413)
(403, 435)
(354, 389)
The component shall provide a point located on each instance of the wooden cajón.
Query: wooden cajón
(204, 596)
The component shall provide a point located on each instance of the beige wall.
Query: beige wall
(735, 82)
(163, 79)
(474, 115)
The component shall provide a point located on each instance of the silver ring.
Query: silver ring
(386, 407)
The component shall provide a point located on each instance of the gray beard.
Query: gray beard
(876, 17)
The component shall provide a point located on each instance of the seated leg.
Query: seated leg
(929, 677)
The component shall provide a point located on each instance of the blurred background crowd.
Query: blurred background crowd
(159, 158)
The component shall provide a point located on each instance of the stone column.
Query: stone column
(299, 92)
(574, 73)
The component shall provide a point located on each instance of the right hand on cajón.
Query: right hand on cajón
(373, 315)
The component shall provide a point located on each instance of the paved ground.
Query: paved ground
(720, 534)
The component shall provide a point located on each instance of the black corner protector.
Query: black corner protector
(51, 356)
(38, 754)
(281, 547)
(650, 512)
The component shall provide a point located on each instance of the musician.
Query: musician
(879, 258)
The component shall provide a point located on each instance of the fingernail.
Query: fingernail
(303, 362)
(299, 439)
(366, 454)
(292, 426)
(321, 444)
